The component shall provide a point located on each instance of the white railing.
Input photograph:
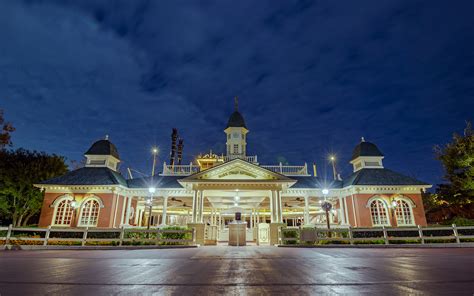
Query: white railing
(252, 159)
(179, 170)
(93, 236)
(400, 235)
(288, 170)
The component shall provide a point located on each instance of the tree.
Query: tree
(19, 170)
(5, 133)
(457, 158)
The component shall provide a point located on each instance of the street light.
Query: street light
(74, 206)
(155, 150)
(326, 206)
(151, 190)
(332, 158)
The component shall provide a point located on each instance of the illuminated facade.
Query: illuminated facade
(206, 193)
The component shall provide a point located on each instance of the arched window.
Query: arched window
(89, 213)
(378, 212)
(403, 213)
(63, 212)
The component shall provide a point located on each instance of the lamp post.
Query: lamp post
(74, 207)
(151, 190)
(327, 206)
(332, 158)
(394, 205)
(155, 150)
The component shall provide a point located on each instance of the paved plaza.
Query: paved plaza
(238, 271)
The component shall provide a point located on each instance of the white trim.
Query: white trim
(83, 203)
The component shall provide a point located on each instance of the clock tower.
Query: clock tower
(236, 132)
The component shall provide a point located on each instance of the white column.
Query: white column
(201, 206)
(280, 208)
(194, 212)
(122, 215)
(306, 210)
(251, 218)
(165, 208)
(272, 210)
(341, 211)
(129, 208)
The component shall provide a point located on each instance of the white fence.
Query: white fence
(422, 235)
(87, 236)
(288, 170)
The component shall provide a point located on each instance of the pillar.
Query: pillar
(129, 208)
(165, 208)
(272, 210)
(201, 206)
(195, 206)
(122, 214)
(341, 211)
(306, 210)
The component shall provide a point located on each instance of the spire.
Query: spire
(236, 103)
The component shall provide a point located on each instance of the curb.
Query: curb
(76, 248)
(405, 246)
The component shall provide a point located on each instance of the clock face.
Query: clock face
(235, 135)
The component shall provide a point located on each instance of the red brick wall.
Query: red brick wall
(363, 212)
(105, 213)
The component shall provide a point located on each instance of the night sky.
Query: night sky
(312, 77)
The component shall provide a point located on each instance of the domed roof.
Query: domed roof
(365, 149)
(103, 147)
(236, 120)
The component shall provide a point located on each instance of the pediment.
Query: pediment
(236, 169)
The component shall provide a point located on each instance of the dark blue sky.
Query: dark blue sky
(312, 77)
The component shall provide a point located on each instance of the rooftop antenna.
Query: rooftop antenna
(236, 103)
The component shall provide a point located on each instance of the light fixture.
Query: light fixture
(394, 203)
(74, 204)
(236, 198)
(148, 201)
(151, 190)
(332, 158)
(325, 191)
(236, 204)
(155, 150)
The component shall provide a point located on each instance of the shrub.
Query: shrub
(175, 235)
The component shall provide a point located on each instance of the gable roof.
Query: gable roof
(197, 176)
(89, 176)
(380, 177)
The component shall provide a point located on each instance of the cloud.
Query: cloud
(312, 77)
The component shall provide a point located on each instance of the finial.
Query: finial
(107, 137)
(362, 139)
(236, 103)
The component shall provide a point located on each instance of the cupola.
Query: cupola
(236, 132)
(366, 155)
(103, 154)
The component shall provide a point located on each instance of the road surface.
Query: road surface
(238, 271)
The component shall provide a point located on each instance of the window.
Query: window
(378, 212)
(236, 148)
(89, 213)
(63, 213)
(403, 213)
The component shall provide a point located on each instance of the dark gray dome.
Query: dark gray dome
(103, 147)
(236, 120)
(365, 149)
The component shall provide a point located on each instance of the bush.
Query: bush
(175, 235)
(459, 221)
(290, 233)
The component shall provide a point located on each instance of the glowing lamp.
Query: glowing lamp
(325, 191)
(152, 189)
